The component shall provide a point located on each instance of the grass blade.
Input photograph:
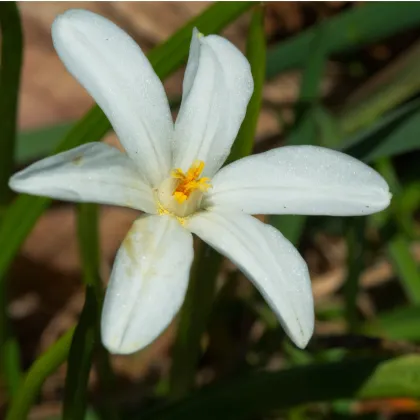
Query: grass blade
(87, 228)
(43, 367)
(397, 87)
(383, 138)
(172, 53)
(193, 320)
(80, 360)
(406, 267)
(399, 245)
(9, 350)
(259, 393)
(399, 324)
(11, 62)
(256, 54)
(40, 142)
(355, 264)
(86, 334)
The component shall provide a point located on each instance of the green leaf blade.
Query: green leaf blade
(256, 54)
(10, 70)
(260, 393)
(43, 367)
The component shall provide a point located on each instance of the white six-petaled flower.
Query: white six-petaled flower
(173, 173)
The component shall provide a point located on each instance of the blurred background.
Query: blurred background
(340, 74)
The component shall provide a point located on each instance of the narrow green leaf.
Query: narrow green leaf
(408, 205)
(259, 393)
(107, 383)
(83, 343)
(172, 53)
(43, 367)
(21, 216)
(16, 223)
(256, 54)
(399, 324)
(355, 248)
(405, 266)
(327, 127)
(193, 320)
(349, 30)
(401, 87)
(399, 245)
(11, 62)
(305, 129)
(88, 235)
(291, 226)
(38, 143)
(395, 133)
(9, 349)
(80, 360)
(86, 339)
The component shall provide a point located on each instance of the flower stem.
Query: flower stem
(107, 408)
(44, 366)
(193, 320)
(256, 54)
(11, 62)
(356, 246)
(80, 360)
(9, 348)
(86, 338)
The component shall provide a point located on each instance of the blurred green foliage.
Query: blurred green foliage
(381, 127)
(11, 62)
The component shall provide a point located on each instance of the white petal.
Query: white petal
(299, 180)
(269, 260)
(148, 283)
(217, 87)
(94, 173)
(114, 70)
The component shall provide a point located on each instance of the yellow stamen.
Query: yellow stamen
(190, 181)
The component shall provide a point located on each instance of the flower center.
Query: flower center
(181, 193)
(190, 181)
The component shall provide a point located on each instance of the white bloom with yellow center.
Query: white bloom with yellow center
(173, 173)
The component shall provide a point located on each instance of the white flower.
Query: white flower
(172, 172)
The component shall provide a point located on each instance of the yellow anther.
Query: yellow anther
(180, 196)
(190, 181)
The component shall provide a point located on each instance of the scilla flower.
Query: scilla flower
(173, 173)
